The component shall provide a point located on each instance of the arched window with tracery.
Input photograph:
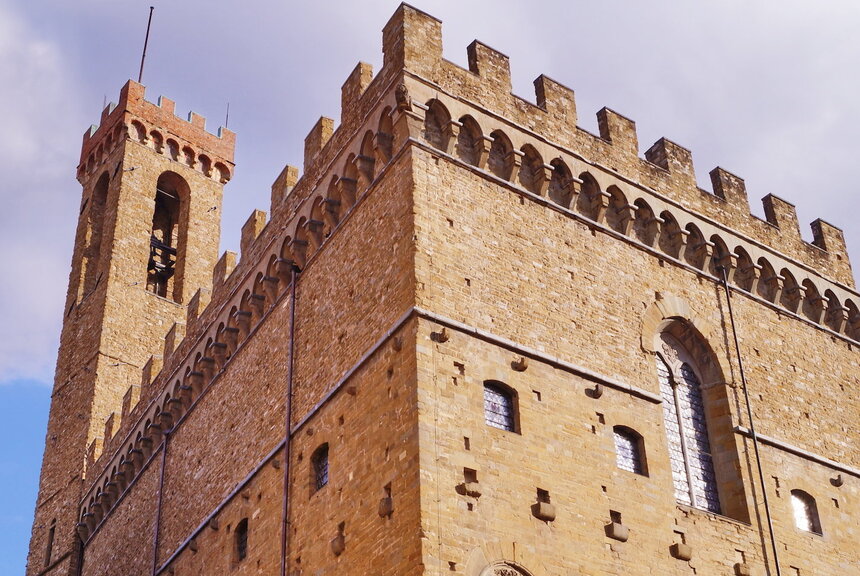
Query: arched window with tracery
(693, 473)
(504, 569)
(167, 238)
(805, 512)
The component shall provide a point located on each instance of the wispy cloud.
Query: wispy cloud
(764, 89)
(39, 116)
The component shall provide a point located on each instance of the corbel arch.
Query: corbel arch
(384, 138)
(437, 121)
(470, 141)
(531, 175)
(588, 201)
(561, 183)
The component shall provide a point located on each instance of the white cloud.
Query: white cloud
(38, 116)
(764, 89)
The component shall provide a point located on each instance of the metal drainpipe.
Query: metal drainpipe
(285, 521)
(751, 422)
(683, 437)
(79, 569)
(158, 502)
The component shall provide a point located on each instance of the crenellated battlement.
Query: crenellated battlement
(537, 150)
(158, 127)
(413, 40)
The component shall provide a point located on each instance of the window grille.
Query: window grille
(805, 512)
(628, 450)
(693, 475)
(50, 547)
(498, 407)
(242, 539)
(320, 467)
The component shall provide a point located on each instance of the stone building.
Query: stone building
(471, 338)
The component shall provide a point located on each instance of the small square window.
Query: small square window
(499, 406)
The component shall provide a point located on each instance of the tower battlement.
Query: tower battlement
(543, 154)
(157, 126)
(454, 258)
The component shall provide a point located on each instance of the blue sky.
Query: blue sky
(765, 89)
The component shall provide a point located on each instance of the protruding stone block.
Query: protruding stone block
(828, 237)
(197, 120)
(783, 215)
(730, 188)
(111, 424)
(283, 185)
(94, 450)
(316, 139)
(166, 104)
(251, 230)
(681, 551)
(129, 400)
(412, 39)
(674, 158)
(196, 305)
(355, 85)
(173, 338)
(223, 268)
(617, 531)
(619, 130)
(543, 511)
(558, 100)
(151, 370)
(492, 66)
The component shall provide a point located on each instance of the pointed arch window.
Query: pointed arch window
(693, 473)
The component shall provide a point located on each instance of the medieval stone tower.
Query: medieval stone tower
(471, 339)
(146, 241)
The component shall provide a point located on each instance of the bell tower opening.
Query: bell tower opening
(167, 237)
(149, 225)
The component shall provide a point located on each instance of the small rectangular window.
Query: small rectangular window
(319, 465)
(499, 407)
(242, 540)
(628, 450)
(49, 549)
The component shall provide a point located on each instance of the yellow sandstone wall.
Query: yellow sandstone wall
(446, 233)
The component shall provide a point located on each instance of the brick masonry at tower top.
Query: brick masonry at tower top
(157, 124)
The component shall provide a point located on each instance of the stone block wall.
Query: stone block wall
(445, 234)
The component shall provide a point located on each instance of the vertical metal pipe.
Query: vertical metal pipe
(750, 421)
(79, 568)
(285, 520)
(145, 43)
(683, 437)
(158, 503)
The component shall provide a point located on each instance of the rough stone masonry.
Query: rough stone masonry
(471, 338)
